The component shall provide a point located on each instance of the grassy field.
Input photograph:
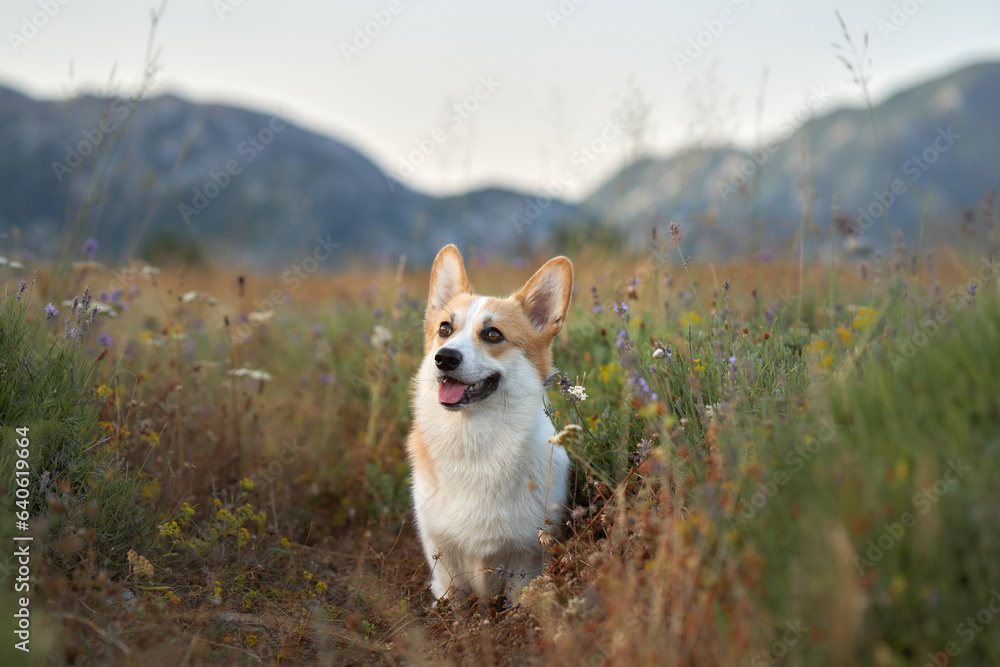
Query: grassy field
(807, 474)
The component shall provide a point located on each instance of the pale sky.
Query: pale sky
(548, 80)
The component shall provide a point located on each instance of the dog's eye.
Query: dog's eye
(445, 329)
(492, 335)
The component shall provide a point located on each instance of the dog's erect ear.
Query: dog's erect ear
(447, 278)
(545, 297)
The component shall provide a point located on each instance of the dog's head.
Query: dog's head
(480, 344)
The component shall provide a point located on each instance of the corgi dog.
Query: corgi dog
(486, 481)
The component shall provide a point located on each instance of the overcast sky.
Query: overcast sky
(538, 79)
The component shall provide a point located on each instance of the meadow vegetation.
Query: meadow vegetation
(773, 464)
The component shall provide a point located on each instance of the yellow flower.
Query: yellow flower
(285, 543)
(246, 484)
(864, 317)
(827, 361)
(689, 318)
(843, 334)
(251, 640)
(104, 391)
(698, 366)
(606, 372)
(321, 586)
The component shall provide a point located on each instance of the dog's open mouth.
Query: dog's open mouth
(455, 395)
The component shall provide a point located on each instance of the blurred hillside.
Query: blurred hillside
(255, 187)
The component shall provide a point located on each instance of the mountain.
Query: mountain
(247, 185)
(941, 138)
(256, 187)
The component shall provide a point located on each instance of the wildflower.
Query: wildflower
(621, 310)
(381, 336)
(246, 484)
(843, 334)
(321, 586)
(641, 450)
(726, 284)
(251, 641)
(864, 317)
(598, 308)
(140, 564)
(633, 285)
(104, 340)
(89, 248)
(260, 376)
(642, 389)
(577, 394)
(972, 292)
(675, 232)
(624, 343)
(258, 318)
(50, 312)
(20, 292)
(689, 319)
(171, 529)
(564, 384)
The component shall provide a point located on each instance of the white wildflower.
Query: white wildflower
(578, 393)
(381, 336)
(260, 376)
(257, 318)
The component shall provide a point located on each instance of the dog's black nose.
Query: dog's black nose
(448, 359)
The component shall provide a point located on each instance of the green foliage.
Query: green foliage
(43, 392)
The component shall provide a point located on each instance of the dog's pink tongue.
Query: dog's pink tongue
(450, 391)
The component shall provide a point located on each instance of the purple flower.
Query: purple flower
(621, 310)
(50, 312)
(324, 378)
(104, 340)
(20, 292)
(89, 248)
